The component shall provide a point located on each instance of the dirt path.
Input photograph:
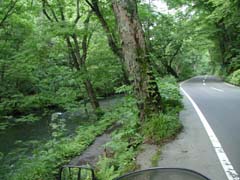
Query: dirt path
(91, 155)
(145, 156)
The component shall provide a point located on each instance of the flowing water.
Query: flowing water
(21, 137)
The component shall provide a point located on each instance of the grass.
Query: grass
(157, 129)
(155, 158)
(234, 78)
(162, 127)
(47, 159)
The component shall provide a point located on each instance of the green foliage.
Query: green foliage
(28, 118)
(127, 89)
(177, 47)
(155, 158)
(37, 74)
(107, 169)
(218, 22)
(104, 67)
(121, 151)
(234, 78)
(3, 126)
(170, 93)
(162, 127)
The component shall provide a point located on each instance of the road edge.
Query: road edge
(226, 164)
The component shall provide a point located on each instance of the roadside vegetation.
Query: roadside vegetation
(71, 69)
(159, 128)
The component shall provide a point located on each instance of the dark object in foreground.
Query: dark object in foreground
(69, 172)
(164, 174)
(82, 173)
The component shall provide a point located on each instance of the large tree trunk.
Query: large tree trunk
(136, 58)
(112, 40)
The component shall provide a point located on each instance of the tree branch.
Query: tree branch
(9, 12)
(86, 37)
(45, 11)
(112, 42)
(77, 50)
(90, 4)
(78, 12)
(71, 51)
(61, 10)
(175, 54)
(51, 9)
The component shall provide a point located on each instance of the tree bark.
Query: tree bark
(112, 40)
(136, 57)
(91, 95)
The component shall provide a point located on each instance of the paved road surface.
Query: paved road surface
(220, 104)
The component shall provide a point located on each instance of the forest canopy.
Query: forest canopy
(63, 56)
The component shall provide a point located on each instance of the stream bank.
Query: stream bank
(91, 155)
(26, 141)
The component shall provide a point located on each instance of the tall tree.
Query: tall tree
(220, 20)
(113, 41)
(78, 53)
(136, 57)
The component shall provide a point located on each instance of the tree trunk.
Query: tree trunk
(79, 65)
(112, 40)
(171, 71)
(136, 57)
(91, 95)
(78, 61)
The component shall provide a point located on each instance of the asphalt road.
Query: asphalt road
(220, 104)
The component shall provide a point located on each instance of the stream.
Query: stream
(20, 138)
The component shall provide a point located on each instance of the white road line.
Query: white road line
(226, 164)
(231, 85)
(203, 81)
(220, 90)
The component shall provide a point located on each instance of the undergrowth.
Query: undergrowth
(161, 127)
(155, 158)
(46, 160)
(234, 78)
(165, 125)
(121, 152)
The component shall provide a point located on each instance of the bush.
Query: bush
(170, 93)
(157, 129)
(234, 78)
(162, 127)
(122, 150)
